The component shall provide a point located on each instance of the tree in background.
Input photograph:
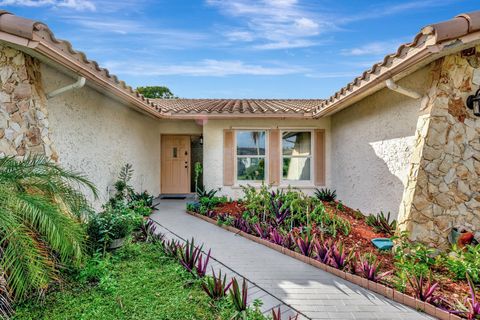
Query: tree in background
(156, 92)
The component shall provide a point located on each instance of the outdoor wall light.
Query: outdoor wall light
(473, 103)
(201, 139)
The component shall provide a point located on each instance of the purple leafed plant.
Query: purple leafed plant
(262, 233)
(305, 245)
(279, 211)
(289, 242)
(423, 290)
(277, 315)
(216, 287)
(322, 251)
(470, 309)
(210, 213)
(368, 266)
(189, 254)
(338, 256)
(276, 237)
(242, 224)
(202, 264)
(171, 247)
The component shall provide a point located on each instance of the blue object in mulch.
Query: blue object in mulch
(382, 243)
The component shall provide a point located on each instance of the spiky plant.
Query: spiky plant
(325, 194)
(382, 223)
(41, 208)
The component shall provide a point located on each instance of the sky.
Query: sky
(238, 48)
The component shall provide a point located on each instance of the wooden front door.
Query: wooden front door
(175, 164)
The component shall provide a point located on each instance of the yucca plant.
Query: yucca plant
(216, 287)
(188, 255)
(326, 195)
(41, 208)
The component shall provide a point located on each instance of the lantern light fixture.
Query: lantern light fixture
(473, 103)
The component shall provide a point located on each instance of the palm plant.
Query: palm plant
(41, 208)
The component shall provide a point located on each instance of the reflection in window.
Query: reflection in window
(250, 155)
(296, 154)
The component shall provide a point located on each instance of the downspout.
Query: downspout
(77, 85)
(407, 92)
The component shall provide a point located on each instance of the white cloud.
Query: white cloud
(272, 24)
(80, 5)
(207, 67)
(372, 49)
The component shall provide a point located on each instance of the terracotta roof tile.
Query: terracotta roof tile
(238, 106)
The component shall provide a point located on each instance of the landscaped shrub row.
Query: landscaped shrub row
(326, 230)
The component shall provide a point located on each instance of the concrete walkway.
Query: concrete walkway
(279, 280)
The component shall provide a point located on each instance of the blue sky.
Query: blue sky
(238, 48)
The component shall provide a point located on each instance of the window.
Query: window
(296, 155)
(250, 155)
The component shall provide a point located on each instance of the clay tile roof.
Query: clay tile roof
(425, 43)
(238, 106)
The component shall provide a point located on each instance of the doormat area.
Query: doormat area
(173, 196)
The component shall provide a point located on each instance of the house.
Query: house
(398, 138)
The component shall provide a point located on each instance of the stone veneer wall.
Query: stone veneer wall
(443, 187)
(24, 125)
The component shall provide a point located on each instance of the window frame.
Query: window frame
(309, 182)
(265, 157)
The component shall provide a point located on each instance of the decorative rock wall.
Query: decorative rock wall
(23, 115)
(443, 187)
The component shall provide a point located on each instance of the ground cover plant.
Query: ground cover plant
(323, 228)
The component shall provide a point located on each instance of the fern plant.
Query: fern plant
(41, 209)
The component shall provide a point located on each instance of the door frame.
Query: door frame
(189, 162)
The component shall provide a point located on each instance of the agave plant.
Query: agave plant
(216, 287)
(382, 223)
(189, 254)
(41, 209)
(423, 290)
(325, 194)
(277, 315)
(239, 297)
(470, 309)
(369, 267)
(202, 264)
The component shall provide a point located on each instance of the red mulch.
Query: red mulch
(359, 240)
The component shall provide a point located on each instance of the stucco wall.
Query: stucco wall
(372, 141)
(97, 135)
(213, 147)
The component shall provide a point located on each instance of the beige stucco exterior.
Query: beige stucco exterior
(372, 141)
(97, 135)
(213, 148)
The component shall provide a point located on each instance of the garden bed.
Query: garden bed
(263, 216)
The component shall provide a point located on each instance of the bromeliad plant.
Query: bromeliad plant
(239, 297)
(423, 290)
(470, 308)
(189, 254)
(326, 195)
(171, 247)
(339, 258)
(305, 245)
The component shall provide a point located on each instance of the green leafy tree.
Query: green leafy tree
(156, 92)
(41, 208)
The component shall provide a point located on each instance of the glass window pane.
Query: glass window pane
(251, 143)
(296, 143)
(296, 169)
(250, 168)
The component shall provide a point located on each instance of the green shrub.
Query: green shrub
(463, 261)
(329, 223)
(140, 207)
(112, 223)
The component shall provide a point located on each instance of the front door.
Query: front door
(175, 164)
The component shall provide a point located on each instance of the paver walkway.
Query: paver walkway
(278, 279)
